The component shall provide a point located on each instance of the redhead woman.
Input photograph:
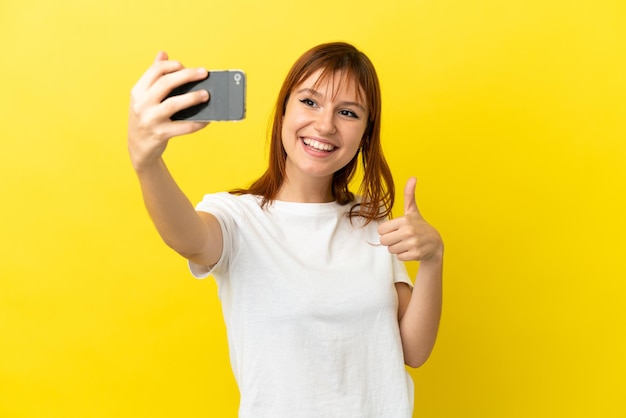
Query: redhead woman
(320, 312)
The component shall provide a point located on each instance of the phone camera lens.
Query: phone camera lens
(237, 78)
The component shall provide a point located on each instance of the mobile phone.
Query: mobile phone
(227, 100)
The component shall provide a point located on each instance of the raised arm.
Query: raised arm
(196, 236)
(411, 238)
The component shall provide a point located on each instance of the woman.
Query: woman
(320, 312)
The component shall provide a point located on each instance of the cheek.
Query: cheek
(294, 117)
(357, 137)
(289, 131)
(287, 123)
(289, 120)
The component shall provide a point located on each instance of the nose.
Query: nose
(325, 122)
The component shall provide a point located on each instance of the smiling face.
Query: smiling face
(322, 129)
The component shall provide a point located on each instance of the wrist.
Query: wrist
(436, 258)
(147, 167)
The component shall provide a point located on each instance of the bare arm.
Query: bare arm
(411, 238)
(196, 236)
(419, 313)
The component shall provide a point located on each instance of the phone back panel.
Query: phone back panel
(227, 90)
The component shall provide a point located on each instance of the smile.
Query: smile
(317, 145)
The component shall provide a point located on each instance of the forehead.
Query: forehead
(334, 84)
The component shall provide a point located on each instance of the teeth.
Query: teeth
(318, 145)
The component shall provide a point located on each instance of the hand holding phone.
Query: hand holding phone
(227, 97)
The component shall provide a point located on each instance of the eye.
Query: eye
(308, 102)
(348, 113)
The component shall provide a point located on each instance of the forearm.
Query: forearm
(420, 322)
(173, 215)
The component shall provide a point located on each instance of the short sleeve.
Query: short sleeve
(222, 206)
(400, 274)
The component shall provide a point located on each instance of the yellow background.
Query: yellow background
(511, 114)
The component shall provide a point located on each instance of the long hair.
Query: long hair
(376, 188)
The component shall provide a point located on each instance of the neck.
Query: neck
(305, 192)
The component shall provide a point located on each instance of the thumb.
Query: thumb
(409, 196)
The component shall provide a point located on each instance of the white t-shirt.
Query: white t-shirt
(311, 311)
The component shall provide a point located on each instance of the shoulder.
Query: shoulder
(228, 203)
(226, 198)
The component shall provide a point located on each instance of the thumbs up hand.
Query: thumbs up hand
(410, 237)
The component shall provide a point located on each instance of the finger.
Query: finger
(174, 104)
(179, 128)
(410, 205)
(390, 226)
(401, 247)
(158, 69)
(168, 82)
(390, 241)
(161, 56)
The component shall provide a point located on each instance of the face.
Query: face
(322, 127)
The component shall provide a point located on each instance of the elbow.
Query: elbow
(186, 249)
(184, 252)
(417, 359)
(413, 363)
(196, 257)
(203, 258)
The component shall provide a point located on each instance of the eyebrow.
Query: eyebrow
(318, 94)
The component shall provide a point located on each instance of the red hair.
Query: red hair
(376, 189)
